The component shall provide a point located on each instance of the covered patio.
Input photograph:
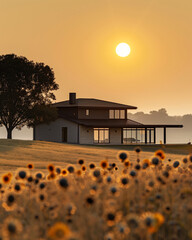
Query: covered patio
(127, 131)
(145, 134)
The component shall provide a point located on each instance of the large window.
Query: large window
(101, 135)
(116, 114)
(133, 135)
(137, 135)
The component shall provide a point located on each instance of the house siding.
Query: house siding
(93, 113)
(115, 136)
(86, 135)
(53, 131)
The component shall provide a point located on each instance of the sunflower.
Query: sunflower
(83, 168)
(81, 161)
(146, 163)
(64, 172)
(89, 200)
(59, 231)
(124, 181)
(71, 169)
(110, 217)
(160, 219)
(51, 176)
(30, 166)
(11, 228)
(104, 164)
(78, 173)
(91, 165)
(51, 168)
(137, 150)
(122, 156)
(6, 178)
(153, 221)
(160, 154)
(127, 163)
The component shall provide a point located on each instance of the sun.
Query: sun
(123, 50)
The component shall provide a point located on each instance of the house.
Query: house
(94, 121)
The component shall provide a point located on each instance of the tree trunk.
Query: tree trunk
(9, 133)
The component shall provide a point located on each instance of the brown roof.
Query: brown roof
(92, 103)
(117, 123)
(100, 123)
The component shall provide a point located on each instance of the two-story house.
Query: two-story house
(94, 121)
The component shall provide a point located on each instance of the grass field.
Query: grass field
(137, 195)
(17, 153)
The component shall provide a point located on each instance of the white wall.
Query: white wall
(53, 131)
(115, 135)
(86, 135)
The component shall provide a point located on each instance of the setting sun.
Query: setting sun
(123, 50)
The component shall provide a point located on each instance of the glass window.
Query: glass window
(111, 114)
(96, 135)
(137, 135)
(101, 135)
(122, 114)
(87, 112)
(116, 114)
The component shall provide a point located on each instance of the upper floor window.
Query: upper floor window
(116, 114)
(87, 112)
(111, 114)
(122, 114)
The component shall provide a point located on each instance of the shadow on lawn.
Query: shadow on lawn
(9, 144)
(183, 149)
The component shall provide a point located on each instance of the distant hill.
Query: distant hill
(183, 135)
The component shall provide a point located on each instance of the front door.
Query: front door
(64, 134)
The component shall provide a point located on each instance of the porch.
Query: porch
(146, 134)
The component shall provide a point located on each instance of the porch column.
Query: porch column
(121, 135)
(34, 137)
(145, 135)
(154, 135)
(164, 135)
(149, 135)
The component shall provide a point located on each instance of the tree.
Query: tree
(25, 92)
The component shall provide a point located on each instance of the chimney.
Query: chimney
(72, 98)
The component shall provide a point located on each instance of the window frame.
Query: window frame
(101, 132)
(117, 114)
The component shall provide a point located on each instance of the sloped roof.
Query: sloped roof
(107, 123)
(92, 103)
(116, 123)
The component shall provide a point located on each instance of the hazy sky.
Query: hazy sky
(77, 38)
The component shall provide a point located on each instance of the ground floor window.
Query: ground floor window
(101, 135)
(137, 135)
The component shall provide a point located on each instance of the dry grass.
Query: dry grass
(17, 153)
(124, 197)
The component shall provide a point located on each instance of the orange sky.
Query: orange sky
(77, 38)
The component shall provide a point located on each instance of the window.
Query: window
(101, 135)
(122, 114)
(87, 112)
(116, 114)
(111, 114)
(137, 135)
